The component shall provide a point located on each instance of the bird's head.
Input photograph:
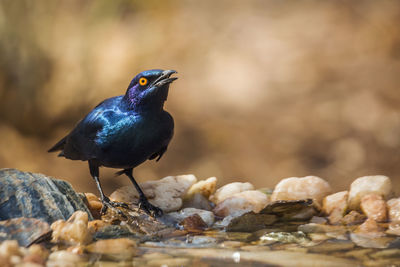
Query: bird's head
(149, 89)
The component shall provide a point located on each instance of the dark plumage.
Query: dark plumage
(124, 131)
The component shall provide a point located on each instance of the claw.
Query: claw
(108, 204)
(150, 209)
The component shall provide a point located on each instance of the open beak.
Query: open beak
(165, 78)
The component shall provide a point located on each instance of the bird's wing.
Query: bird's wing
(81, 142)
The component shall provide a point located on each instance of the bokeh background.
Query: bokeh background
(266, 89)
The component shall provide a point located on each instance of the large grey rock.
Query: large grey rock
(34, 195)
(25, 230)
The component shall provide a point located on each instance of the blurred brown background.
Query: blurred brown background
(267, 89)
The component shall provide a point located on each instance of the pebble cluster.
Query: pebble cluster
(369, 207)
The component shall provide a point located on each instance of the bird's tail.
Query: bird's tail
(59, 146)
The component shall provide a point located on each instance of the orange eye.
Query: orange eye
(142, 81)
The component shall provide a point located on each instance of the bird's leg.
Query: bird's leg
(107, 203)
(144, 204)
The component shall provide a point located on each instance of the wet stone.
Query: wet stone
(116, 249)
(291, 210)
(35, 195)
(370, 241)
(25, 230)
(285, 237)
(353, 218)
(335, 231)
(331, 246)
(250, 222)
(387, 253)
(114, 231)
(194, 223)
(206, 216)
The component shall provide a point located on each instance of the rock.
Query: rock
(114, 231)
(394, 228)
(194, 223)
(64, 258)
(378, 184)
(370, 228)
(291, 210)
(10, 253)
(94, 204)
(335, 205)
(353, 218)
(229, 190)
(197, 201)
(332, 246)
(166, 193)
(318, 220)
(170, 262)
(37, 254)
(75, 231)
(251, 200)
(333, 231)
(295, 188)
(116, 249)
(205, 187)
(394, 209)
(285, 237)
(374, 207)
(369, 241)
(97, 225)
(25, 230)
(250, 222)
(206, 216)
(34, 195)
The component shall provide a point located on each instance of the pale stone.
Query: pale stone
(378, 184)
(394, 209)
(37, 252)
(206, 216)
(10, 252)
(170, 262)
(374, 207)
(394, 228)
(295, 188)
(94, 204)
(353, 217)
(370, 228)
(113, 246)
(335, 201)
(63, 258)
(251, 200)
(229, 190)
(205, 187)
(335, 206)
(75, 231)
(166, 193)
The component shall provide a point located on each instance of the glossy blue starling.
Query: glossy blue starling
(124, 131)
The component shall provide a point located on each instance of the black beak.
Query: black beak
(165, 78)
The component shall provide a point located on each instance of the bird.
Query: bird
(124, 131)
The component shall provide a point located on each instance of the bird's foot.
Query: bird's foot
(150, 209)
(113, 205)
